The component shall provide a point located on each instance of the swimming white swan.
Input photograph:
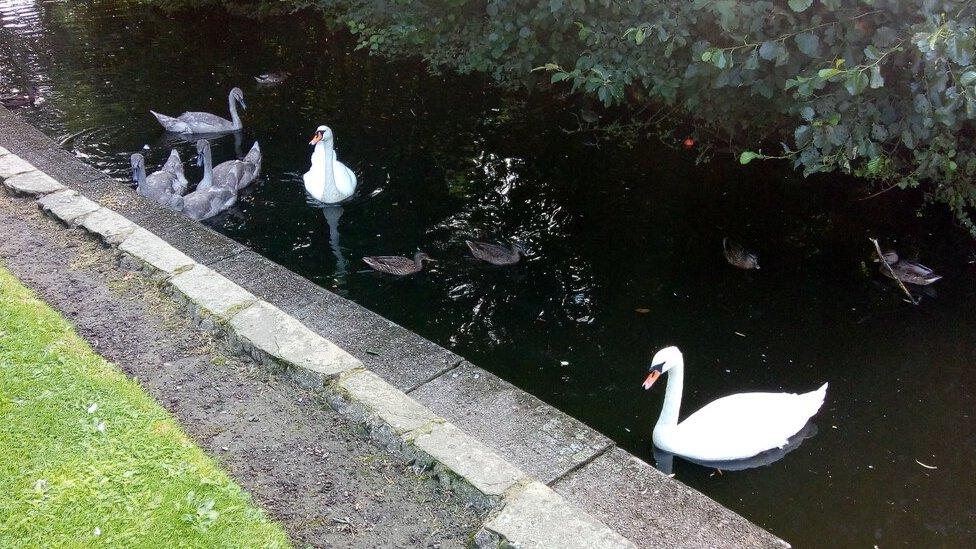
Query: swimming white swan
(204, 122)
(734, 427)
(328, 180)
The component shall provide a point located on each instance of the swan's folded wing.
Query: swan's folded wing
(204, 122)
(744, 424)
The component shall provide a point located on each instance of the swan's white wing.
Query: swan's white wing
(743, 425)
(345, 179)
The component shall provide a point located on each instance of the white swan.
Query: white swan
(328, 180)
(734, 427)
(204, 122)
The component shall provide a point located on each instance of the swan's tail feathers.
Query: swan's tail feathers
(171, 124)
(814, 399)
(254, 155)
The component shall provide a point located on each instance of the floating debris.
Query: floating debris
(642, 311)
(926, 466)
(740, 334)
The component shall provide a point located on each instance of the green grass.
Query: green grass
(87, 458)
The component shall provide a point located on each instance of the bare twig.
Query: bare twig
(891, 273)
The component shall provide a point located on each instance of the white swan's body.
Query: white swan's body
(204, 122)
(328, 180)
(738, 426)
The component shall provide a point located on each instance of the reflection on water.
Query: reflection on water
(332, 215)
(625, 252)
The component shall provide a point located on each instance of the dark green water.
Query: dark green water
(609, 230)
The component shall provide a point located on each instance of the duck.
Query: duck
(165, 186)
(735, 427)
(328, 180)
(27, 98)
(209, 198)
(494, 254)
(234, 174)
(907, 271)
(204, 122)
(738, 256)
(272, 78)
(398, 265)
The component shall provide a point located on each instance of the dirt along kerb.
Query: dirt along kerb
(545, 479)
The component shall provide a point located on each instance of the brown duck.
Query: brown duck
(907, 271)
(20, 99)
(739, 256)
(398, 265)
(494, 254)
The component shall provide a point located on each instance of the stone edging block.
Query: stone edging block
(266, 331)
(155, 252)
(211, 292)
(537, 517)
(443, 445)
(67, 206)
(31, 183)
(4, 152)
(109, 225)
(11, 165)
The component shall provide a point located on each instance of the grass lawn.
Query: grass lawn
(87, 458)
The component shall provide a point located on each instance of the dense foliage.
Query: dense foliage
(884, 89)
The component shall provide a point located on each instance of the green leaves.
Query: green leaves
(748, 156)
(856, 82)
(799, 5)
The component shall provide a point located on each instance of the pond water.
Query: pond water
(624, 252)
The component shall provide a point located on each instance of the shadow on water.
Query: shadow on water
(625, 251)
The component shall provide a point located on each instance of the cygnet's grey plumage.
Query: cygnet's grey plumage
(211, 198)
(164, 186)
(204, 122)
(232, 174)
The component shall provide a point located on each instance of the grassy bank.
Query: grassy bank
(87, 458)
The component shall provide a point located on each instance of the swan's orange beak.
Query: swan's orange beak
(315, 139)
(651, 378)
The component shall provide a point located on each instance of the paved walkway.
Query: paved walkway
(300, 460)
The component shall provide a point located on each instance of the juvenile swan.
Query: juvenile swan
(204, 122)
(165, 186)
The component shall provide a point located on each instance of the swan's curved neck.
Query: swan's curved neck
(672, 396)
(141, 176)
(234, 117)
(326, 150)
(207, 169)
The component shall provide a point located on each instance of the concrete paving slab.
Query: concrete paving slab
(4, 152)
(70, 170)
(269, 281)
(521, 428)
(31, 183)
(109, 225)
(11, 165)
(653, 510)
(199, 241)
(467, 457)
(277, 334)
(155, 252)
(401, 357)
(211, 292)
(67, 206)
(20, 137)
(538, 518)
